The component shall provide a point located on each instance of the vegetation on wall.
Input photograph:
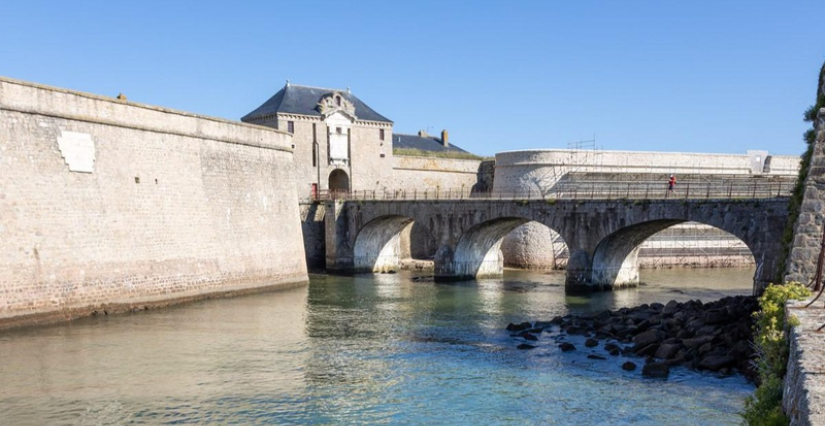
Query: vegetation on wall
(411, 152)
(764, 407)
(805, 163)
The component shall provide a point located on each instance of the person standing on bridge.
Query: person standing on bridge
(671, 183)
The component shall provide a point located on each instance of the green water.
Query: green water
(359, 350)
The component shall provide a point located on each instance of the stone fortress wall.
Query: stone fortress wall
(536, 171)
(533, 173)
(108, 205)
(434, 173)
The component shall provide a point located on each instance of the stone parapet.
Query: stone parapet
(32, 98)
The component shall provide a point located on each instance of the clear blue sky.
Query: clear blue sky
(698, 76)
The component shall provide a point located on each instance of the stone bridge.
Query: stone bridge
(602, 236)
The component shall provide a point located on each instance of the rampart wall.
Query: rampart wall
(539, 170)
(109, 205)
(432, 172)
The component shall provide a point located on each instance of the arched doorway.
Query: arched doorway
(338, 181)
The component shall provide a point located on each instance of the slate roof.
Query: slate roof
(297, 99)
(424, 143)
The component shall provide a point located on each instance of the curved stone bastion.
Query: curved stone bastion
(109, 205)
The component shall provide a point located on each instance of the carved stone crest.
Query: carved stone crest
(335, 102)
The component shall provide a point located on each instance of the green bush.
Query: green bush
(764, 407)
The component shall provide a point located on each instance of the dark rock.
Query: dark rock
(696, 342)
(518, 327)
(715, 362)
(667, 350)
(648, 350)
(594, 356)
(591, 343)
(525, 346)
(648, 337)
(567, 347)
(656, 370)
(528, 336)
(610, 346)
(628, 366)
(602, 316)
(615, 352)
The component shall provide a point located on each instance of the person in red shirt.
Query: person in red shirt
(671, 183)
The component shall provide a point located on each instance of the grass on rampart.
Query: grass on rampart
(764, 407)
(411, 152)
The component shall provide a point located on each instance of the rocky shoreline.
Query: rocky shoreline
(715, 336)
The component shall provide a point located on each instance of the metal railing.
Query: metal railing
(588, 190)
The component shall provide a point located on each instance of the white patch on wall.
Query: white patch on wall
(338, 125)
(78, 150)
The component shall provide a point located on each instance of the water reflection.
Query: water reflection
(356, 350)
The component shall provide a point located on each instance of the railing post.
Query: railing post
(687, 190)
(628, 191)
(754, 190)
(647, 191)
(730, 190)
(779, 190)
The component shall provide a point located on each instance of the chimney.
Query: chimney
(445, 138)
(422, 134)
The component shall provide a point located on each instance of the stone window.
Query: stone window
(338, 131)
(381, 134)
(290, 126)
(338, 100)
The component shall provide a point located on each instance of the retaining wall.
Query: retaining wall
(804, 388)
(111, 205)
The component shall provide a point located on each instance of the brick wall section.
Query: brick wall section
(808, 228)
(214, 210)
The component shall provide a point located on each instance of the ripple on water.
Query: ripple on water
(358, 350)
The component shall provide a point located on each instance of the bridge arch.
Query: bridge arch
(378, 246)
(615, 262)
(478, 251)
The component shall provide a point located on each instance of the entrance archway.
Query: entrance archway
(338, 181)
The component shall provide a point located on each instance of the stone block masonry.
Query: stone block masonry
(808, 228)
(804, 388)
(112, 205)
